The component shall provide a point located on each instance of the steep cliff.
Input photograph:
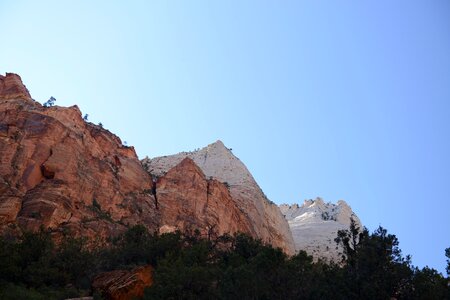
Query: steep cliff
(257, 215)
(315, 224)
(189, 201)
(58, 171)
(61, 172)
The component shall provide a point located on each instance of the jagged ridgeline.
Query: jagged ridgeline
(315, 225)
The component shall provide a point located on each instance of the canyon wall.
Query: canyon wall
(61, 172)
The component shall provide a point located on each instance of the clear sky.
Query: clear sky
(339, 99)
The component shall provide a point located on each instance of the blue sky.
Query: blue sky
(339, 99)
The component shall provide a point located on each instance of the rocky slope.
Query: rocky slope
(254, 213)
(315, 224)
(58, 171)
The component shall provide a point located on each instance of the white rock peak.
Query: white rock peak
(218, 162)
(314, 226)
(215, 160)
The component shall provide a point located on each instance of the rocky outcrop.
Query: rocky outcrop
(315, 224)
(60, 172)
(123, 284)
(188, 201)
(11, 87)
(259, 217)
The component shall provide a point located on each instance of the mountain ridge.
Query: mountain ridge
(314, 225)
(218, 162)
(63, 173)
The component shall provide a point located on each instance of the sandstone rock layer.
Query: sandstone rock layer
(123, 284)
(188, 201)
(58, 171)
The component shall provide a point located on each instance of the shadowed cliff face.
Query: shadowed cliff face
(59, 171)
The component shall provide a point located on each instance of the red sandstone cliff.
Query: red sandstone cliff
(188, 201)
(60, 172)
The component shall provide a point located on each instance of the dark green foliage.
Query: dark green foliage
(224, 267)
(374, 268)
(138, 247)
(447, 254)
(76, 260)
(251, 270)
(373, 263)
(11, 291)
(97, 209)
(188, 274)
(32, 268)
(428, 284)
(50, 102)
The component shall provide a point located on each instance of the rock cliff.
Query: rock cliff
(254, 213)
(60, 172)
(188, 201)
(315, 224)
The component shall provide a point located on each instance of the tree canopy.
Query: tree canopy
(224, 267)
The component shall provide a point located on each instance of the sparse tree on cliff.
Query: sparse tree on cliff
(50, 102)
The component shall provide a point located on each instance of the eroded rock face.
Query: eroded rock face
(123, 284)
(315, 224)
(59, 171)
(11, 86)
(263, 218)
(188, 201)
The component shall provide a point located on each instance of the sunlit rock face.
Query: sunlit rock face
(61, 172)
(315, 224)
(188, 201)
(11, 87)
(253, 212)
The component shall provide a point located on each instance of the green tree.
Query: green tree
(428, 284)
(75, 262)
(374, 265)
(50, 102)
(185, 274)
(447, 254)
